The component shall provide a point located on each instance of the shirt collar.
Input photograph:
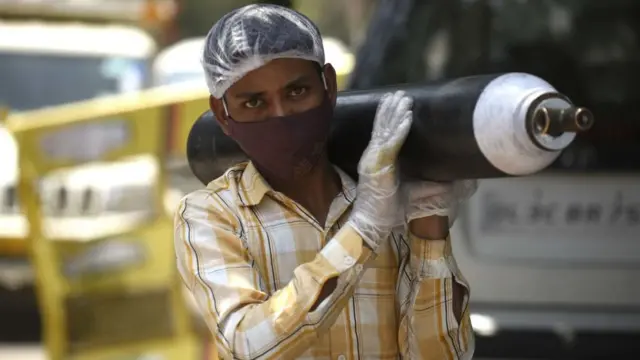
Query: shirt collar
(253, 187)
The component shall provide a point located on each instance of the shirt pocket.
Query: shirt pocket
(375, 314)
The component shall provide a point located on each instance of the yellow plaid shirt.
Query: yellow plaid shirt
(256, 262)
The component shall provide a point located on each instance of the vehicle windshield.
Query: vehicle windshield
(179, 78)
(32, 80)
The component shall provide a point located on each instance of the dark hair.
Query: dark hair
(318, 67)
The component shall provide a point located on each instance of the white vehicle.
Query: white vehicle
(554, 252)
(552, 259)
(47, 64)
(180, 63)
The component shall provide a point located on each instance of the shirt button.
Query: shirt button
(342, 357)
(349, 261)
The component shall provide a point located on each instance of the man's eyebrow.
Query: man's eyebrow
(257, 94)
(298, 80)
(248, 95)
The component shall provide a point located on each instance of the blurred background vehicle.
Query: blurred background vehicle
(40, 59)
(552, 258)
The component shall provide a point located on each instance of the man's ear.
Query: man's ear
(332, 82)
(217, 107)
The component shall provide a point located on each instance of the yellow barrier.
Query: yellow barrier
(116, 294)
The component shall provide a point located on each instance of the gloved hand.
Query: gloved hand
(425, 198)
(376, 207)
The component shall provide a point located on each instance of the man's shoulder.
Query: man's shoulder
(229, 180)
(222, 190)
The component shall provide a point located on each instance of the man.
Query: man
(289, 258)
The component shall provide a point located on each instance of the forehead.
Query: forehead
(274, 76)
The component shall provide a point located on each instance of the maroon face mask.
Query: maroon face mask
(285, 147)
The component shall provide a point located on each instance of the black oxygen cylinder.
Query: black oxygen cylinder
(474, 127)
(209, 151)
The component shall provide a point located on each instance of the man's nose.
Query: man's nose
(278, 109)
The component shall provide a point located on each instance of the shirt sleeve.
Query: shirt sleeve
(428, 327)
(247, 322)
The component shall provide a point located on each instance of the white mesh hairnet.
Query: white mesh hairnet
(249, 37)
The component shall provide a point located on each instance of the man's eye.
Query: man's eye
(253, 103)
(297, 91)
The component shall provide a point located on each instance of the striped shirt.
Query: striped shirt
(256, 261)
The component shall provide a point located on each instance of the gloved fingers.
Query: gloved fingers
(400, 132)
(390, 114)
(391, 127)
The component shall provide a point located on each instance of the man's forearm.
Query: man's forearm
(314, 298)
(430, 227)
(434, 324)
(437, 228)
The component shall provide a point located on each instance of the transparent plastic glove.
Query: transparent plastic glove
(376, 207)
(425, 198)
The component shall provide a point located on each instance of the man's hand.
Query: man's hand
(377, 204)
(428, 204)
